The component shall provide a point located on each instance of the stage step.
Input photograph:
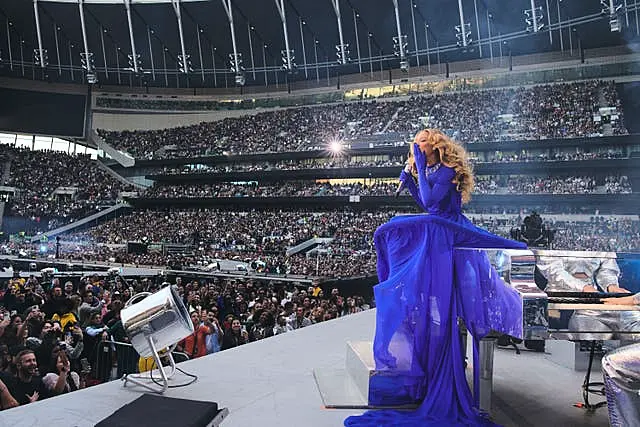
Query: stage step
(359, 385)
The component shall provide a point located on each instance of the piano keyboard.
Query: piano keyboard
(591, 306)
(585, 295)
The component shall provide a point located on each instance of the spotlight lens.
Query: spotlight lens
(335, 147)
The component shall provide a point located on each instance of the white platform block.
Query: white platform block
(360, 385)
(570, 355)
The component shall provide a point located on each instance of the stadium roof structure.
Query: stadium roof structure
(211, 43)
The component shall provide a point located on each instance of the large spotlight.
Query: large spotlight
(336, 147)
(157, 322)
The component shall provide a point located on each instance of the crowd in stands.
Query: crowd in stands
(601, 234)
(494, 184)
(556, 156)
(56, 338)
(285, 165)
(272, 131)
(385, 161)
(538, 112)
(36, 175)
(288, 189)
(259, 239)
(486, 184)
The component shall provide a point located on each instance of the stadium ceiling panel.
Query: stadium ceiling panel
(120, 1)
(173, 42)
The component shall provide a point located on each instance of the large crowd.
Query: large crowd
(273, 131)
(277, 189)
(57, 186)
(56, 338)
(494, 184)
(486, 184)
(261, 238)
(338, 162)
(538, 112)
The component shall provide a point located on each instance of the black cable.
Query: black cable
(194, 379)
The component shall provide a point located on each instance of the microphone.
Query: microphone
(402, 184)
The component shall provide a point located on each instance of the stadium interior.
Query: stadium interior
(246, 153)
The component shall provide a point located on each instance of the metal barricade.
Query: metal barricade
(113, 360)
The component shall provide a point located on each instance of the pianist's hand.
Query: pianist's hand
(615, 289)
(619, 301)
(589, 288)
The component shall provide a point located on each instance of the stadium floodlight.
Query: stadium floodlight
(184, 64)
(533, 18)
(347, 53)
(396, 45)
(36, 56)
(609, 7)
(463, 35)
(463, 30)
(288, 59)
(235, 65)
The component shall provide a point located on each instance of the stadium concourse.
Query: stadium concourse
(263, 221)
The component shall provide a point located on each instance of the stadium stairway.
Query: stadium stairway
(391, 120)
(6, 170)
(123, 158)
(307, 245)
(119, 177)
(89, 219)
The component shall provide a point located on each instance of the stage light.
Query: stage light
(156, 323)
(43, 249)
(336, 147)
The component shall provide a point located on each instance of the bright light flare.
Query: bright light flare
(336, 147)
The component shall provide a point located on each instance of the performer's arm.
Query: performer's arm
(441, 187)
(630, 300)
(410, 185)
(559, 279)
(607, 276)
(421, 167)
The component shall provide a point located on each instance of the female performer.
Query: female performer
(426, 284)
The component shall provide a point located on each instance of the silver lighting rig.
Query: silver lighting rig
(533, 18)
(342, 48)
(135, 63)
(400, 44)
(399, 49)
(343, 53)
(50, 50)
(235, 66)
(44, 60)
(288, 60)
(184, 64)
(235, 57)
(609, 7)
(463, 30)
(88, 65)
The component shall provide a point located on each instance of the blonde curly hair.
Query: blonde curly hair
(450, 154)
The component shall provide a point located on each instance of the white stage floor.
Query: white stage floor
(271, 383)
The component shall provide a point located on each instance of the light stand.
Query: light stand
(143, 378)
(160, 320)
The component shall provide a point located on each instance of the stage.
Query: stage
(271, 383)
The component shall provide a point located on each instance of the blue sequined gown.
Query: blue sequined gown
(425, 287)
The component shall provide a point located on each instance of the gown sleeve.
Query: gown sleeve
(439, 191)
(410, 185)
